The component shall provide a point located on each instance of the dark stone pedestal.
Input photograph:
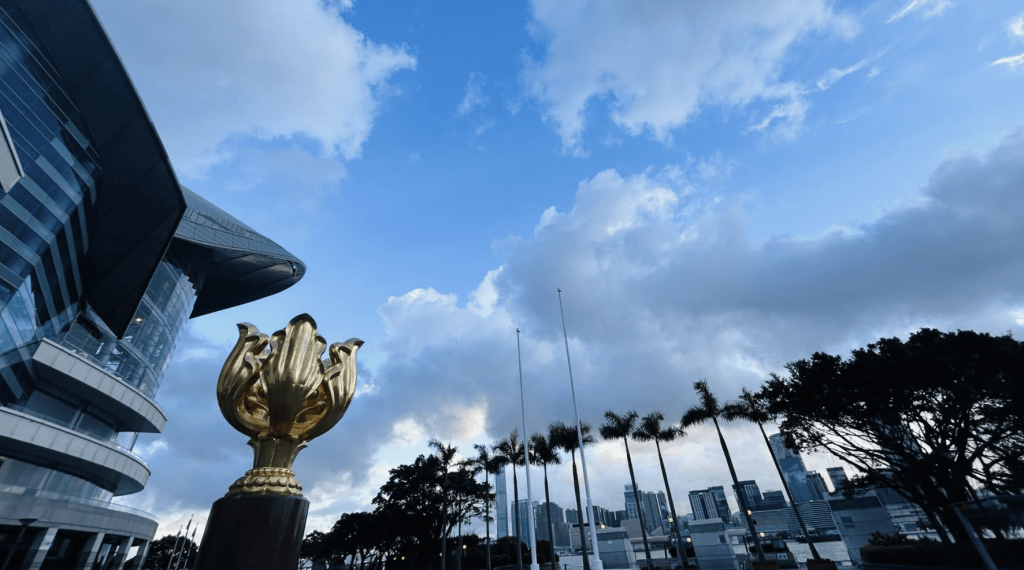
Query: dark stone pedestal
(249, 532)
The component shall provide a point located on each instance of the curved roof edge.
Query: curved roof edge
(243, 265)
(138, 201)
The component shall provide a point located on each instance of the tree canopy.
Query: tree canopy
(930, 418)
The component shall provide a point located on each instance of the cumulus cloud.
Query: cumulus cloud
(925, 8)
(657, 64)
(661, 287)
(214, 69)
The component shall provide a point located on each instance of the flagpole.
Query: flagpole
(583, 457)
(184, 543)
(534, 564)
(173, 549)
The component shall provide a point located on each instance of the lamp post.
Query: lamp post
(21, 532)
(534, 564)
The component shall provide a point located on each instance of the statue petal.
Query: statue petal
(292, 372)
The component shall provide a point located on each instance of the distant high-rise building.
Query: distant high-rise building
(501, 503)
(632, 511)
(709, 503)
(541, 516)
(837, 475)
(572, 516)
(649, 502)
(793, 469)
(525, 533)
(751, 494)
(819, 490)
(773, 500)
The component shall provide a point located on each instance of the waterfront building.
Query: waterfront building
(793, 469)
(710, 503)
(103, 257)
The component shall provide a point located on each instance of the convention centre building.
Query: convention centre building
(103, 256)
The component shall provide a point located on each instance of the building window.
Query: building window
(10, 166)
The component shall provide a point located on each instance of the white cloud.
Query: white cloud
(474, 96)
(1013, 62)
(1016, 27)
(833, 75)
(657, 64)
(926, 8)
(212, 69)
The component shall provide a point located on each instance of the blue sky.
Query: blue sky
(719, 188)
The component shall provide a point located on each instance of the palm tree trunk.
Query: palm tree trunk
(785, 485)
(519, 540)
(680, 547)
(551, 525)
(444, 519)
(639, 506)
(458, 552)
(487, 519)
(739, 493)
(579, 513)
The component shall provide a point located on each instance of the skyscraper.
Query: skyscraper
(710, 503)
(525, 530)
(793, 469)
(819, 490)
(103, 256)
(751, 494)
(501, 503)
(541, 516)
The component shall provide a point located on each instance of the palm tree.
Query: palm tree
(749, 407)
(709, 409)
(621, 427)
(650, 430)
(511, 451)
(544, 453)
(446, 453)
(489, 464)
(565, 438)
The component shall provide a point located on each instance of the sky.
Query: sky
(718, 188)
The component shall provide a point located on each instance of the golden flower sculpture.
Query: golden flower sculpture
(276, 390)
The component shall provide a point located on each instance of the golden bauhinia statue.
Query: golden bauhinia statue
(276, 390)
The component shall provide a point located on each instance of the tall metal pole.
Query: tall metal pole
(174, 549)
(534, 564)
(579, 434)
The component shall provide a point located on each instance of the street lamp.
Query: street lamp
(21, 532)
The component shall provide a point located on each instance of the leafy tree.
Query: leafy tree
(929, 418)
(622, 427)
(709, 409)
(567, 438)
(650, 429)
(413, 500)
(162, 549)
(316, 547)
(543, 453)
(753, 409)
(511, 451)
